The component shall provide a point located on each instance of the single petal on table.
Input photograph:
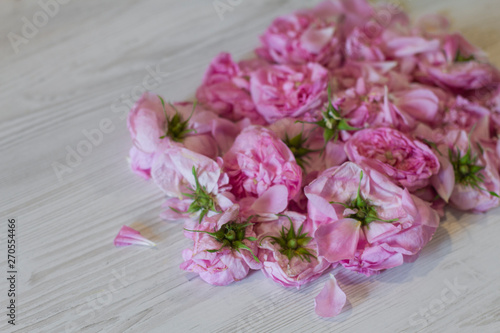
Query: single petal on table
(330, 300)
(129, 236)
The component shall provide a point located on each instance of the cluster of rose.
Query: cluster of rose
(338, 144)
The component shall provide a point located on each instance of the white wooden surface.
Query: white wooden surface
(81, 68)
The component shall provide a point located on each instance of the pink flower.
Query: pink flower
(224, 249)
(360, 47)
(407, 162)
(300, 38)
(155, 126)
(305, 142)
(367, 225)
(458, 66)
(178, 171)
(281, 91)
(370, 105)
(151, 131)
(259, 160)
(288, 252)
(330, 300)
(466, 115)
(129, 236)
(226, 89)
(476, 178)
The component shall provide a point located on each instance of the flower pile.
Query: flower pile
(339, 144)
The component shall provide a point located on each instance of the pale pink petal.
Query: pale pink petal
(444, 181)
(338, 240)
(273, 201)
(129, 236)
(330, 300)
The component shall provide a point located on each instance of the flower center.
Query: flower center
(461, 58)
(467, 170)
(231, 235)
(296, 146)
(364, 212)
(203, 201)
(293, 244)
(176, 128)
(332, 122)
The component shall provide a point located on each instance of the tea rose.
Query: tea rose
(366, 222)
(475, 167)
(288, 252)
(224, 249)
(195, 184)
(155, 125)
(409, 163)
(281, 91)
(259, 160)
(370, 105)
(466, 115)
(226, 89)
(458, 66)
(301, 38)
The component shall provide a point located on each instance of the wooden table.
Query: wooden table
(79, 71)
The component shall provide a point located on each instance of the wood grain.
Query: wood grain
(82, 67)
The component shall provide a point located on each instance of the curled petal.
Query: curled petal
(129, 236)
(444, 181)
(330, 300)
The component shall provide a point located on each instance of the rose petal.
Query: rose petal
(330, 300)
(129, 236)
(338, 240)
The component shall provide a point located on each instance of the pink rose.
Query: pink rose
(281, 91)
(259, 160)
(361, 47)
(475, 167)
(151, 131)
(370, 105)
(300, 38)
(226, 88)
(466, 115)
(367, 225)
(305, 142)
(289, 256)
(178, 171)
(224, 249)
(458, 66)
(407, 162)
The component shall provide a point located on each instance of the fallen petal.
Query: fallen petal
(330, 300)
(129, 236)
